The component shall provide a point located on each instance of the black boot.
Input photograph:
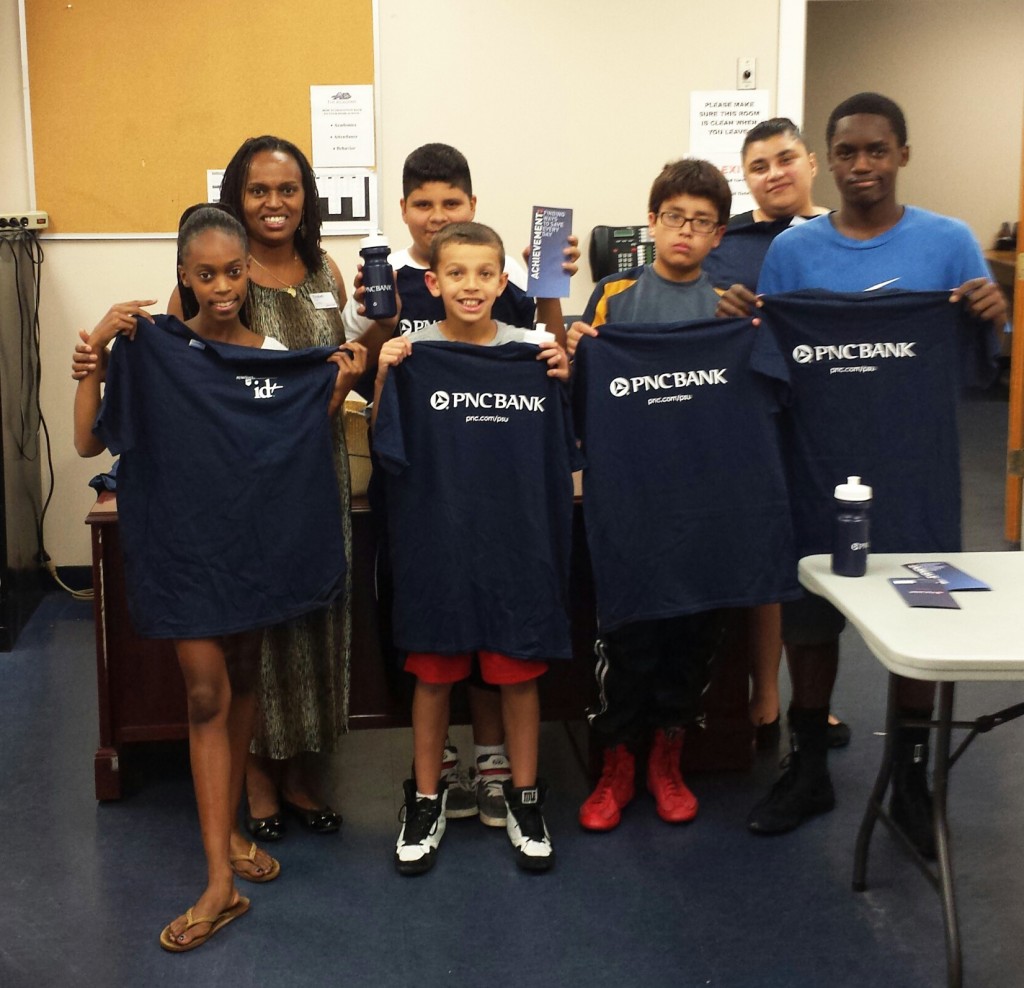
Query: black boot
(910, 804)
(805, 788)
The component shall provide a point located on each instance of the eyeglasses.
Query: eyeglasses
(699, 224)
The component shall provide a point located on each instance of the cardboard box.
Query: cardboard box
(357, 441)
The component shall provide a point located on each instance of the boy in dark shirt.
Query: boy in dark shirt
(651, 674)
(467, 274)
(437, 190)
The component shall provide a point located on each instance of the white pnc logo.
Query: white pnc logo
(619, 387)
(262, 387)
(804, 354)
(440, 400)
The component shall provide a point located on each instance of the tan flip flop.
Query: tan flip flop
(268, 876)
(169, 941)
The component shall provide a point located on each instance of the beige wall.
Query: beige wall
(14, 188)
(957, 71)
(575, 104)
(567, 104)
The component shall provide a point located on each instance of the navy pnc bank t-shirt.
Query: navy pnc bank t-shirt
(227, 496)
(478, 446)
(876, 381)
(684, 492)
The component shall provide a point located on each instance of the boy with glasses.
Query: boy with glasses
(652, 673)
(689, 207)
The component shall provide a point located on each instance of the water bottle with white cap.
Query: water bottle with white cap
(852, 530)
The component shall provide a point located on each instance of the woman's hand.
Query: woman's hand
(91, 355)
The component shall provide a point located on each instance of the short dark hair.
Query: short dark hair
(465, 233)
(436, 163)
(232, 192)
(774, 127)
(198, 219)
(873, 103)
(692, 177)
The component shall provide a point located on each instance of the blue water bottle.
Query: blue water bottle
(852, 531)
(378, 278)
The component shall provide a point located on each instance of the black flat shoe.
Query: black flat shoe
(266, 828)
(767, 736)
(320, 821)
(838, 735)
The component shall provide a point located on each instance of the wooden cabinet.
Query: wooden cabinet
(142, 698)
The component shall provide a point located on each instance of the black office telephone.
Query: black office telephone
(619, 248)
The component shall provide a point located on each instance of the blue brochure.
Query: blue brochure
(549, 236)
(923, 592)
(948, 575)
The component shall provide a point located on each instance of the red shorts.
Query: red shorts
(495, 668)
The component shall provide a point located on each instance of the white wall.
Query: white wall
(957, 71)
(579, 104)
(564, 104)
(14, 184)
(559, 104)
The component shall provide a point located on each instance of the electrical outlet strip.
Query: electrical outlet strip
(16, 222)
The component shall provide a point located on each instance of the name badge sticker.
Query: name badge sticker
(323, 300)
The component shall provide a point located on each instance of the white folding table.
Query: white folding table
(982, 641)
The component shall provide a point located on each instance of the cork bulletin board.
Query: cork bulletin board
(131, 102)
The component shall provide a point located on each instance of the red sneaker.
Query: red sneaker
(602, 809)
(676, 804)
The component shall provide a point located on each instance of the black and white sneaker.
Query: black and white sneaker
(526, 828)
(422, 830)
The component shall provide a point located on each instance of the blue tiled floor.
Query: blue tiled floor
(86, 888)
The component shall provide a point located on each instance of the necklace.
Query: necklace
(285, 287)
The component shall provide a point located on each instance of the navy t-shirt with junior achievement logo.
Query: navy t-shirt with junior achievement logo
(876, 381)
(684, 493)
(227, 498)
(478, 446)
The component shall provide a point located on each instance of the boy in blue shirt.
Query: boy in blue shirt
(870, 243)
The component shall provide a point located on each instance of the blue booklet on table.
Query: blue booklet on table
(923, 592)
(549, 236)
(948, 575)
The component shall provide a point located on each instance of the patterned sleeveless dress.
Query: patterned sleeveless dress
(303, 682)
